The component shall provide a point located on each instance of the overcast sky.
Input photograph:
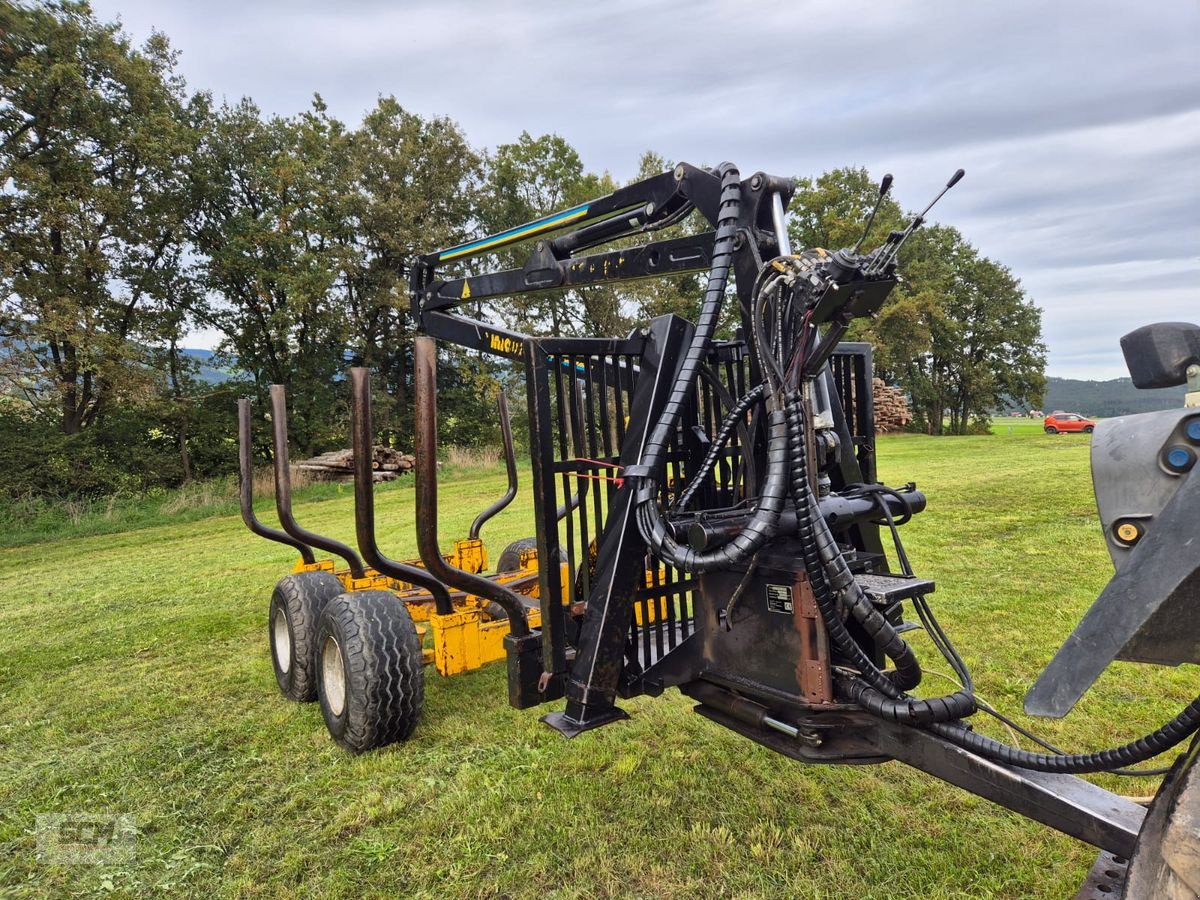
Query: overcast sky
(1078, 122)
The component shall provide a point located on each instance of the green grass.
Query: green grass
(134, 678)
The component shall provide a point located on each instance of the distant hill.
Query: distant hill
(208, 372)
(1117, 397)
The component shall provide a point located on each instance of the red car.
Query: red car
(1059, 421)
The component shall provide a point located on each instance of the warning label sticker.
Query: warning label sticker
(779, 598)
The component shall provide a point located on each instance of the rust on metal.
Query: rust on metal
(425, 398)
(364, 498)
(283, 490)
(812, 668)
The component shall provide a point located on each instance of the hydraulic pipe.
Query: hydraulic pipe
(779, 220)
(246, 490)
(510, 463)
(283, 489)
(364, 498)
(425, 392)
(707, 532)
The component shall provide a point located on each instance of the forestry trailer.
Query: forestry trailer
(735, 543)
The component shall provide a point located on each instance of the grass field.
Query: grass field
(135, 679)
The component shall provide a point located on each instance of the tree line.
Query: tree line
(134, 212)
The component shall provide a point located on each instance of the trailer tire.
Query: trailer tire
(371, 673)
(296, 606)
(510, 559)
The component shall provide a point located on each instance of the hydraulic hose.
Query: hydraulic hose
(877, 692)
(762, 527)
(834, 586)
(710, 311)
(1170, 735)
(752, 398)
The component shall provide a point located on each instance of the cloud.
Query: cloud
(1078, 122)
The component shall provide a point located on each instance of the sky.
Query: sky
(1078, 123)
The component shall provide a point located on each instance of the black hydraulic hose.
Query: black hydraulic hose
(832, 572)
(706, 323)
(875, 692)
(760, 529)
(773, 495)
(1169, 735)
(728, 427)
(881, 632)
(822, 595)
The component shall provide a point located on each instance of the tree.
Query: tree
(958, 333)
(526, 180)
(831, 211)
(92, 132)
(271, 197)
(412, 189)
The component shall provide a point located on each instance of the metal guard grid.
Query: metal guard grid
(577, 430)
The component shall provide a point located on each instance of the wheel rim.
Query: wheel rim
(281, 636)
(333, 676)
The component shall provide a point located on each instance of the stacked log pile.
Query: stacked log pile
(891, 408)
(386, 464)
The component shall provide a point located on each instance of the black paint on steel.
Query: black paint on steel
(621, 556)
(510, 465)
(679, 256)
(283, 490)
(1064, 802)
(363, 434)
(425, 399)
(853, 371)
(614, 655)
(545, 508)
(246, 489)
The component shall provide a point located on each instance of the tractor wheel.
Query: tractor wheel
(1166, 858)
(1050, 429)
(296, 605)
(1088, 429)
(372, 676)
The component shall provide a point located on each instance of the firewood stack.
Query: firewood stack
(891, 408)
(338, 465)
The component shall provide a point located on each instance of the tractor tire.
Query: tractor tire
(372, 676)
(296, 606)
(1165, 863)
(1088, 429)
(510, 561)
(1050, 429)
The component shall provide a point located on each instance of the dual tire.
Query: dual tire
(372, 675)
(357, 653)
(296, 606)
